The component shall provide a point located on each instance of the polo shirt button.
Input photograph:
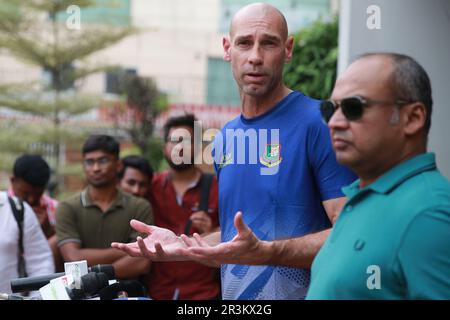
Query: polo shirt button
(359, 245)
(349, 208)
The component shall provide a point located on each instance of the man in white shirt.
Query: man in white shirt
(37, 254)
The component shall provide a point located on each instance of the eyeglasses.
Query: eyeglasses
(102, 162)
(352, 107)
(180, 140)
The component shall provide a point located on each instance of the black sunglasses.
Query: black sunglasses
(352, 107)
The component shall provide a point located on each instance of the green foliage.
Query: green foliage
(35, 33)
(145, 101)
(17, 137)
(313, 66)
(155, 153)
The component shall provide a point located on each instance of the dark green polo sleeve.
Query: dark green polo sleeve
(142, 212)
(66, 228)
(424, 255)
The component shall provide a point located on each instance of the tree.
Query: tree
(142, 102)
(313, 66)
(38, 33)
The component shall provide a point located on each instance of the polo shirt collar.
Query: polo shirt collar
(396, 176)
(87, 202)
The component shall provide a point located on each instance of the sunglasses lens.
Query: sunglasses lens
(352, 108)
(326, 110)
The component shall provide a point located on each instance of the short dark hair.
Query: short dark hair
(32, 169)
(187, 120)
(138, 163)
(103, 143)
(410, 82)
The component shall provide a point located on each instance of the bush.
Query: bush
(313, 66)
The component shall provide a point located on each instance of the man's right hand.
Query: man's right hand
(152, 246)
(42, 216)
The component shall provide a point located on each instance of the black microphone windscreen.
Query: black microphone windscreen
(92, 282)
(110, 292)
(105, 268)
(32, 283)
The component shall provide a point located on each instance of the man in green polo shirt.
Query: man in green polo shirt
(392, 238)
(88, 222)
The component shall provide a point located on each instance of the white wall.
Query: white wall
(173, 48)
(181, 15)
(419, 28)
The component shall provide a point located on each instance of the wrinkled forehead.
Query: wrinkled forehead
(369, 77)
(261, 19)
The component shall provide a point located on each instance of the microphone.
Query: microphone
(107, 269)
(8, 296)
(122, 289)
(91, 284)
(35, 283)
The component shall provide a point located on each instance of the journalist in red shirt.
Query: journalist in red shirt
(175, 198)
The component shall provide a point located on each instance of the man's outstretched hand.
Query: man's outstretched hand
(163, 245)
(159, 245)
(245, 248)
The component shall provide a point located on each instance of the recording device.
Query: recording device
(98, 283)
(34, 283)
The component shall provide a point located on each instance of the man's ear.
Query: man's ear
(414, 117)
(11, 179)
(226, 49)
(289, 48)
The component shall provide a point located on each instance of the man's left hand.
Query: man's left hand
(201, 221)
(244, 248)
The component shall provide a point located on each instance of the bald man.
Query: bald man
(276, 169)
(391, 240)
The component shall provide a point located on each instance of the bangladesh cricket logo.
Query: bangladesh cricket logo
(271, 156)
